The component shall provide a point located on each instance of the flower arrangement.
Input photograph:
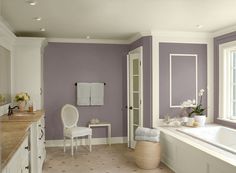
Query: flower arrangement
(23, 96)
(195, 109)
(198, 110)
(2, 98)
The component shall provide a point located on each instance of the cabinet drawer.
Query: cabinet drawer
(20, 160)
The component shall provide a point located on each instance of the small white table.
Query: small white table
(103, 124)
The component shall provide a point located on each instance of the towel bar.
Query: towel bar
(98, 82)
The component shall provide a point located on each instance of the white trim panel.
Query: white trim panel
(196, 76)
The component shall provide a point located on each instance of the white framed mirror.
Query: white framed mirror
(183, 79)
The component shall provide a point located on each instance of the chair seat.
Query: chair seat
(77, 131)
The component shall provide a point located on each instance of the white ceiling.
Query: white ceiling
(116, 19)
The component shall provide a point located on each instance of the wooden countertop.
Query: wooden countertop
(12, 135)
(13, 131)
(23, 116)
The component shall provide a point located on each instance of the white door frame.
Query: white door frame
(135, 51)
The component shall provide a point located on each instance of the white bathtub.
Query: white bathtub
(219, 136)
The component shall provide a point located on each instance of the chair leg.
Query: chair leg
(72, 147)
(90, 142)
(64, 143)
(76, 143)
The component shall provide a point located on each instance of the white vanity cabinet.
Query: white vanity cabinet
(29, 78)
(19, 162)
(38, 151)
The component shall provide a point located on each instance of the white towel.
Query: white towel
(147, 138)
(83, 94)
(147, 132)
(97, 94)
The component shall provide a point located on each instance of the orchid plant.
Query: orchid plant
(196, 109)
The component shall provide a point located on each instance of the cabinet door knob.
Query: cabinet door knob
(40, 157)
(27, 167)
(27, 148)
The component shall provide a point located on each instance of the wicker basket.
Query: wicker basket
(147, 154)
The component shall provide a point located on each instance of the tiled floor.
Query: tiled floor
(103, 159)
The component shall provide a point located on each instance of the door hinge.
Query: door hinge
(140, 63)
(140, 101)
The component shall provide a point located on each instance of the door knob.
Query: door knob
(131, 108)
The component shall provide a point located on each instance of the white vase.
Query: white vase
(185, 119)
(21, 105)
(200, 119)
(190, 122)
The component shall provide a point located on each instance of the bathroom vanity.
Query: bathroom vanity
(23, 142)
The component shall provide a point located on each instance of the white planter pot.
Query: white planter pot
(200, 119)
(190, 121)
(185, 119)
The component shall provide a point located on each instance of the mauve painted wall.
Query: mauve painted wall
(165, 49)
(146, 42)
(67, 63)
(217, 41)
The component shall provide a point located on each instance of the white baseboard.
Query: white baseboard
(83, 141)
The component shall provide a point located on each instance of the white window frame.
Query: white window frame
(225, 78)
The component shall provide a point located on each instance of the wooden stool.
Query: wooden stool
(147, 154)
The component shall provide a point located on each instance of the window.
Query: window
(227, 82)
(232, 84)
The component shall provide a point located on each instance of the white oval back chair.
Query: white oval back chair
(70, 118)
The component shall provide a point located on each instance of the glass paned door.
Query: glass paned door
(135, 96)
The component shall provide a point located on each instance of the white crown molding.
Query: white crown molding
(223, 31)
(95, 141)
(176, 36)
(138, 36)
(100, 41)
(31, 41)
(7, 27)
(92, 41)
(7, 37)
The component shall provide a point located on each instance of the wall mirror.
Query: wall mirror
(183, 79)
(5, 76)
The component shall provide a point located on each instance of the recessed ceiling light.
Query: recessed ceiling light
(199, 26)
(31, 2)
(42, 29)
(38, 18)
(87, 37)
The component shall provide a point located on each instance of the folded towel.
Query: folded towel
(141, 131)
(146, 138)
(83, 94)
(97, 94)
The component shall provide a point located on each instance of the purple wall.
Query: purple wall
(165, 49)
(146, 42)
(217, 41)
(67, 63)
